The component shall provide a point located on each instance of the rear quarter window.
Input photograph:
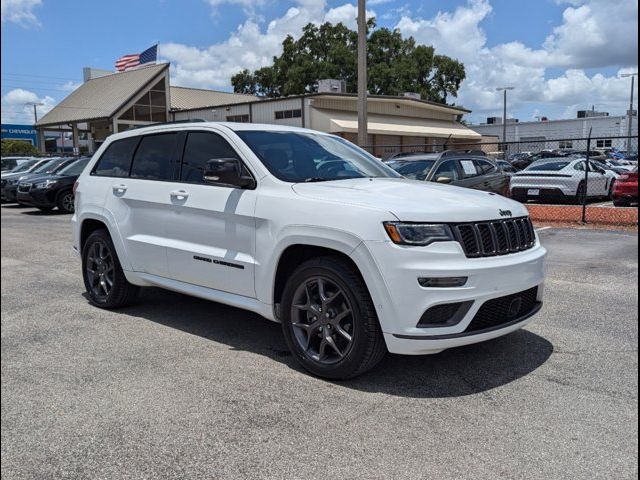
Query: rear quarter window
(116, 159)
(154, 157)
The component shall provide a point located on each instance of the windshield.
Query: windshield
(309, 157)
(417, 170)
(24, 166)
(49, 166)
(74, 168)
(549, 166)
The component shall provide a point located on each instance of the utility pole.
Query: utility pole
(35, 117)
(362, 74)
(630, 112)
(504, 117)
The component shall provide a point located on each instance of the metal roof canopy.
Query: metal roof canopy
(103, 97)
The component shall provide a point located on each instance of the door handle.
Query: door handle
(179, 194)
(119, 190)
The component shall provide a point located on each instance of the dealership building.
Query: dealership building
(109, 102)
(564, 134)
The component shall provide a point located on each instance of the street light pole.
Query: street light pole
(362, 73)
(504, 117)
(630, 112)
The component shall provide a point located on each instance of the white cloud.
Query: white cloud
(593, 34)
(249, 46)
(16, 106)
(20, 12)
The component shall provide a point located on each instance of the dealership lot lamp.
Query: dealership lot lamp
(504, 117)
(630, 112)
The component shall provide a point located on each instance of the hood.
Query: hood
(414, 201)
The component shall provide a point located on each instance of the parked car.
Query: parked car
(47, 192)
(523, 162)
(561, 180)
(309, 230)
(625, 189)
(9, 163)
(506, 167)
(51, 165)
(9, 181)
(454, 168)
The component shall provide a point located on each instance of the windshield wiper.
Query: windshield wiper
(315, 179)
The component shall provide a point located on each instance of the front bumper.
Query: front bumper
(8, 193)
(406, 301)
(37, 198)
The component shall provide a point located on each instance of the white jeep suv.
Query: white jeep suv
(305, 229)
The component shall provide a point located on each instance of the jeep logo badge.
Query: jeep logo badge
(506, 213)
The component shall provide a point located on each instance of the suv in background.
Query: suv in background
(47, 192)
(462, 169)
(306, 229)
(9, 163)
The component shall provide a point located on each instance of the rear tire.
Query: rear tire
(340, 315)
(45, 209)
(102, 273)
(621, 203)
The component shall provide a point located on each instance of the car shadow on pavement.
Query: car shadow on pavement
(452, 373)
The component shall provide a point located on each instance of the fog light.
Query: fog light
(442, 282)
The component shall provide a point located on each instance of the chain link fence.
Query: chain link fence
(552, 177)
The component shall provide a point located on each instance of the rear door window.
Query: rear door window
(484, 167)
(153, 159)
(469, 169)
(116, 160)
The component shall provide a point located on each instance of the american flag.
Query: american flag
(127, 62)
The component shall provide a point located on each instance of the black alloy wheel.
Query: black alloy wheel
(66, 202)
(329, 321)
(102, 273)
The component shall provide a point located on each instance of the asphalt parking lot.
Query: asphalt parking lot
(176, 387)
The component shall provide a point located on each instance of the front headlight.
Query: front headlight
(419, 234)
(45, 184)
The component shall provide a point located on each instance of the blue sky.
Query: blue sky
(562, 55)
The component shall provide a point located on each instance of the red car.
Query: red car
(625, 190)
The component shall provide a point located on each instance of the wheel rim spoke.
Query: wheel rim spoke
(322, 320)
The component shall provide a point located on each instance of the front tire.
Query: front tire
(104, 279)
(65, 202)
(329, 321)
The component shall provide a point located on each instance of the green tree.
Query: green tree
(17, 147)
(395, 65)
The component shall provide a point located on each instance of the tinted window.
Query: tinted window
(469, 168)
(200, 148)
(415, 170)
(153, 158)
(484, 167)
(74, 168)
(116, 160)
(311, 157)
(447, 169)
(549, 166)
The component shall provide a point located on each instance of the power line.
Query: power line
(39, 76)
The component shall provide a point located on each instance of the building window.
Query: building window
(565, 144)
(604, 143)
(238, 118)
(152, 106)
(282, 114)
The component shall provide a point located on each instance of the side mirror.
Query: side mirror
(444, 179)
(226, 171)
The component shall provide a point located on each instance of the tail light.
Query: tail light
(75, 186)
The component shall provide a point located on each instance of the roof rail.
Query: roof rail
(449, 153)
(194, 120)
